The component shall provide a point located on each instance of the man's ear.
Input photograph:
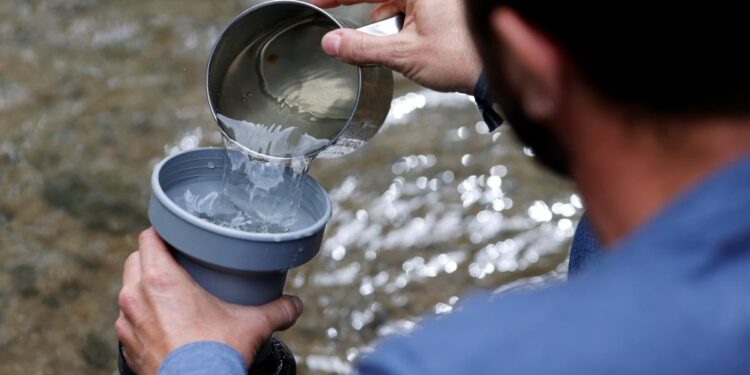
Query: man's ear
(533, 63)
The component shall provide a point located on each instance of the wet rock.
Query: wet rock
(70, 289)
(3, 307)
(88, 262)
(6, 216)
(106, 125)
(8, 153)
(140, 124)
(97, 352)
(51, 300)
(76, 8)
(22, 35)
(102, 201)
(67, 292)
(24, 280)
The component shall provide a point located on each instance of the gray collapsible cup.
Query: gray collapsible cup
(238, 267)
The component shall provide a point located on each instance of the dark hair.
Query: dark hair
(667, 59)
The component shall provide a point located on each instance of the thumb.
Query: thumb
(356, 47)
(282, 312)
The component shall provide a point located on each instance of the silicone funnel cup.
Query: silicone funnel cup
(239, 267)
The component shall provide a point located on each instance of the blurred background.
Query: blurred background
(94, 92)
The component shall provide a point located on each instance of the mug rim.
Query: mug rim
(161, 195)
(284, 159)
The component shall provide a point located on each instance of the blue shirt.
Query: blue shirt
(672, 298)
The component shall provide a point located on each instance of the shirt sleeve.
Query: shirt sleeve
(203, 358)
(585, 250)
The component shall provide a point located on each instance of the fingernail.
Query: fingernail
(332, 43)
(297, 304)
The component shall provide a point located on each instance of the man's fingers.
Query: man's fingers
(131, 273)
(335, 3)
(128, 359)
(124, 331)
(387, 10)
(126, 335)
(154, 252)
(282, 312)
(130, 301)
(356, 47)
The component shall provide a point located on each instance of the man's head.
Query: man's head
(634, 58)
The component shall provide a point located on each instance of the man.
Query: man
(646, 107)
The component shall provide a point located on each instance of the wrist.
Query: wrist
(203, 354)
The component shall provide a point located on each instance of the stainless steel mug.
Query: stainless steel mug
(268, 67)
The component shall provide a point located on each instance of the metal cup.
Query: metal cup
(268, 67)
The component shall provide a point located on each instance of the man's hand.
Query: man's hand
(434, 48)
(162, 308)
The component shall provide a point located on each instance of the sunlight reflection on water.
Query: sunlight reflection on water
(93, 94)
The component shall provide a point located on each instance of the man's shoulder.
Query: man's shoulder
(489, 333)
(599, 323)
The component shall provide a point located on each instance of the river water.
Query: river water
(94, 92)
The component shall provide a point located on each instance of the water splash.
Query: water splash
(274, 139)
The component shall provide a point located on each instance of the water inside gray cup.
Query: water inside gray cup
(239, 267)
